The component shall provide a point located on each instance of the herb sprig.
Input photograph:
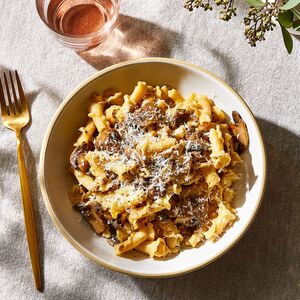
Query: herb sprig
(261, 17)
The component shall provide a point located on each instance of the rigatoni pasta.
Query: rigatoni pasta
(155, 170)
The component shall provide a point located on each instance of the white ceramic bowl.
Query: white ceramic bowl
(55, 180)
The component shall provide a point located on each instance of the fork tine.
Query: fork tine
(17, 106)
(21, 93)
(12, 109)
(4, 110)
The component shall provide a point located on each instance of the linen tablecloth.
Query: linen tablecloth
(265, 262)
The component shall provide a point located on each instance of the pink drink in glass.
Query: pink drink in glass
(80, 24)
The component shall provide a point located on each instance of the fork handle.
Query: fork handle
(28, 215)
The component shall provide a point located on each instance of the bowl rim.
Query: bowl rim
(73, 242)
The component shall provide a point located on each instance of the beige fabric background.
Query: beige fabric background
(265, 263)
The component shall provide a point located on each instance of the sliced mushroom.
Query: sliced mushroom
(113, 226)
(92, 212)
(192, 211)
(145, 116)
(240, 131)
(108, 140)
(189, 212)
(76, 194)
(180, 117)
(77, 158)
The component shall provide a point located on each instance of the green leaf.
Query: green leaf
(288, 41)
(285, 18)
(256, 3)
(290, 4)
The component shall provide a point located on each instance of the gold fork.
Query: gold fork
(15, 116)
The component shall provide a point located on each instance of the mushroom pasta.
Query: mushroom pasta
(155, 171)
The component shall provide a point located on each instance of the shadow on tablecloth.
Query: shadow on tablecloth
(133, 38)
(265, 262)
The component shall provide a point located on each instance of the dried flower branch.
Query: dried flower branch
(261, 17)
(228, 11)
(260, 20)
(191, 4)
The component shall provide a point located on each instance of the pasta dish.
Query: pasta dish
(155, 170)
